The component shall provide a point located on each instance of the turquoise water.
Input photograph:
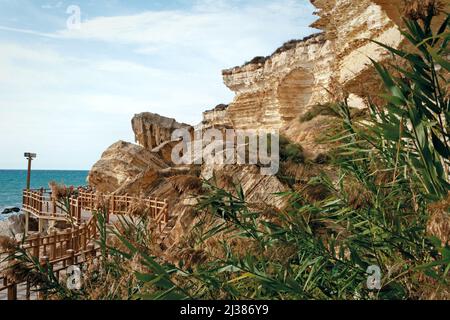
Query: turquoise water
(12, 183)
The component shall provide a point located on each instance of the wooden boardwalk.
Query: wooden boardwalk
(76, 245)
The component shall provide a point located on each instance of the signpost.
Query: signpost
(30, 156)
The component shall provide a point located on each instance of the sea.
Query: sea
(12, 183)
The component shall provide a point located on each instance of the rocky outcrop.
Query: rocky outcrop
(258, 189)
(151, 129)
(10, 210)
(121, 163)
(12, 226)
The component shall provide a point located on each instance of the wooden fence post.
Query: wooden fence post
(79, 209)
(71, 259)
(41, 203)
(53, 245)
(12, 292)
(27, 223)
(44, 264)
(41, 225)
(68, 238)
(83, 236)
(36, 246)
(113, 204)
(54, 205)
(76, 238)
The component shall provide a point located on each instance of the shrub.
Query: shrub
(290, 151)
(325, 109)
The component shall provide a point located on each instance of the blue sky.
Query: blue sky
(67, 94)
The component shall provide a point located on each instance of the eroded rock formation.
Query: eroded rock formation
(151, 129)
(270, 91)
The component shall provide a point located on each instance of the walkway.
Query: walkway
(77, 244)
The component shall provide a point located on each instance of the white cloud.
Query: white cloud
(215, 28)
(30, 32)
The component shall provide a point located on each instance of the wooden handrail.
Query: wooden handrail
(64, 248)
(71, 258)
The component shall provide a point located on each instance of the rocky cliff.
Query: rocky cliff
(271, 92)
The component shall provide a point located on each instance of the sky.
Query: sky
(69, 90)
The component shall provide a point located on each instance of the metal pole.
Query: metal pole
(29, 173)
(30, 156)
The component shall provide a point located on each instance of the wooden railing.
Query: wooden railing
(69, 247)
(11, 288)
(41, 204)
(71, 258)
(56, 244)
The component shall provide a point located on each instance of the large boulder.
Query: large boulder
(120, 164)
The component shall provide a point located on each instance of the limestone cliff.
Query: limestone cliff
(269, 91)
(272, 92)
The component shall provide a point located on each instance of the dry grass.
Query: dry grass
(315, 192)
(192, 258)
(358, 195)
(20, 272)
(139, 208)
(7, 244)
(59, 191)
(186, 184)
(420, 9)
(439, 223)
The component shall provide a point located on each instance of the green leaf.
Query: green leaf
(439, 59)
(387, 79)
(440, 146)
